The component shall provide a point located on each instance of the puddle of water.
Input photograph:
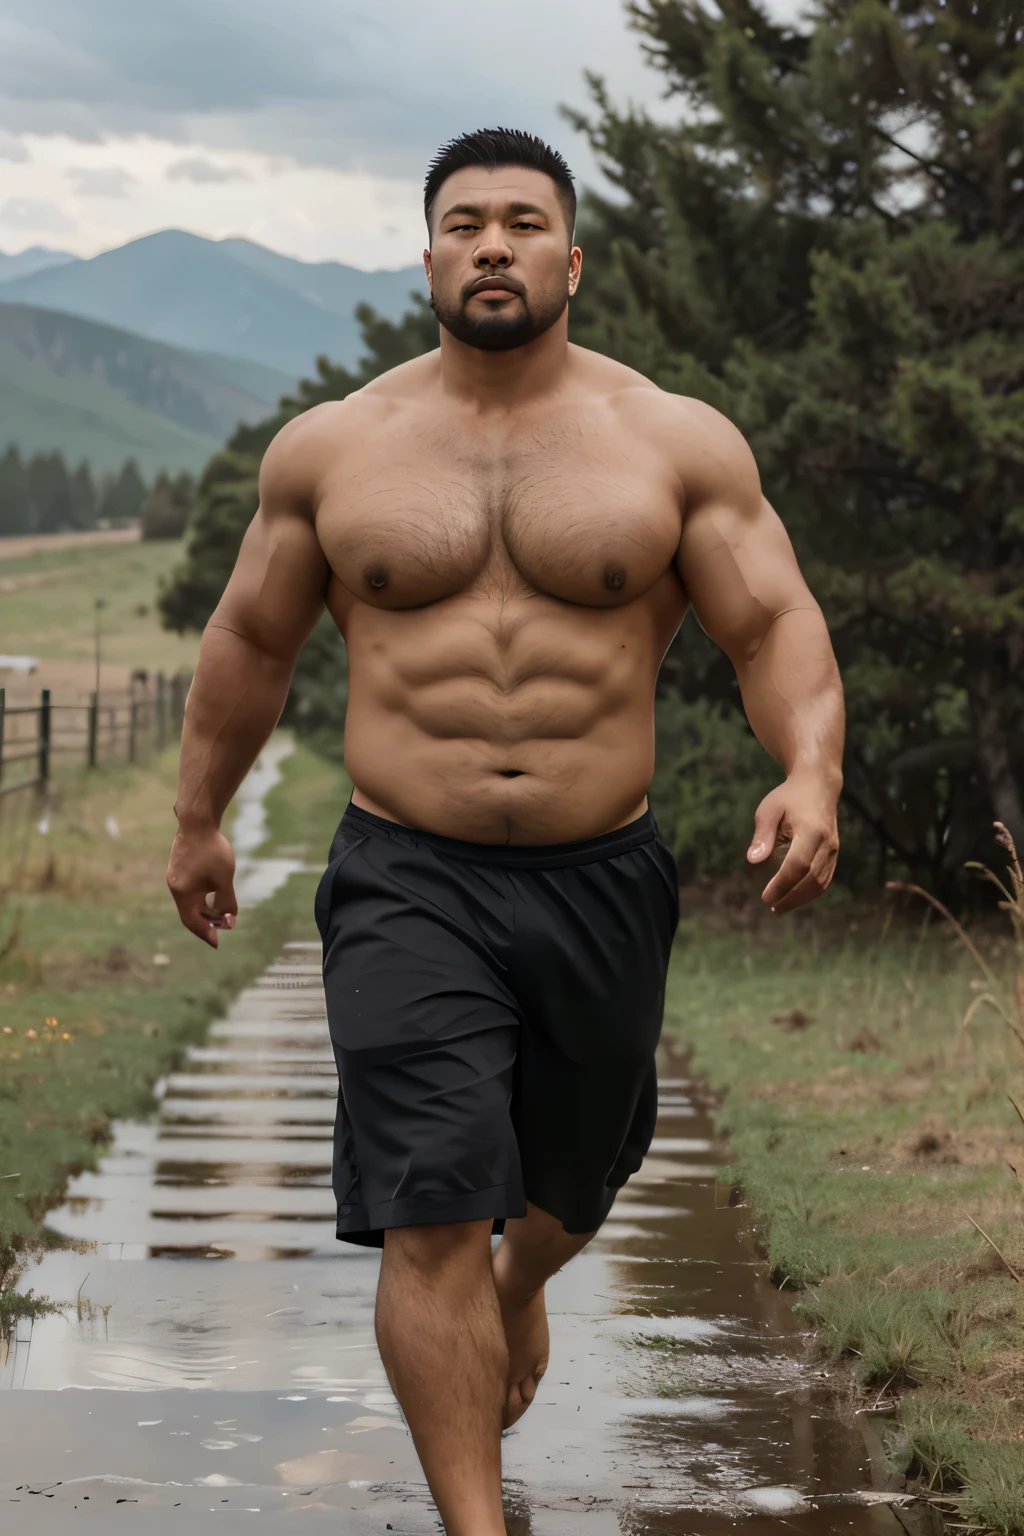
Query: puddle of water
(258, 878)
(231, 1368)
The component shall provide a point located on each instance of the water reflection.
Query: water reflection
(677, 1400)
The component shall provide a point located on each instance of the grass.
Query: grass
(867, 1094)
(87, 418)
(303, 811)
(101, 988)
(949, 1447)
(47, 606)
(868, 1122)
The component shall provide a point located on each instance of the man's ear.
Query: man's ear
(427, 267)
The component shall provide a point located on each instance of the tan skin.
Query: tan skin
(508, 541)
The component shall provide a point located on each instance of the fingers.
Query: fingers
(200, 878)
(190, 910)
(806, 872)
(221, 908)
(767, 818)
(205, 914)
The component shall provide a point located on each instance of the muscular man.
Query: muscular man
(507, 532)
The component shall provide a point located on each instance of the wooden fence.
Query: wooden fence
(106, 728)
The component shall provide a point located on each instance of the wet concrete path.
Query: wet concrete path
(217, 1355)
(215, 1367)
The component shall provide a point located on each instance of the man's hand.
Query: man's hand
(802, 814)
(201, 875)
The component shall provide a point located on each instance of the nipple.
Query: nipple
(615, 578)
(377, 578)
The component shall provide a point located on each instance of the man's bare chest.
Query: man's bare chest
(567, 513)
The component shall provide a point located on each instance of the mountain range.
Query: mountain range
(155, 350)
(227, 296)
(98, 393)
(35, 259)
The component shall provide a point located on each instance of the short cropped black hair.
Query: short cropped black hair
(492, 147)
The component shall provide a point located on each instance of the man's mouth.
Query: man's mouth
(495, 285)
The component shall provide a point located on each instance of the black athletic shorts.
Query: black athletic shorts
(494, 1013)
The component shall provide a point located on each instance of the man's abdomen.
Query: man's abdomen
(504, 717)
(532, 790)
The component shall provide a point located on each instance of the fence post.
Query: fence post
(131, 728)
(177, 702)
(94, 720)
(3, 706)
(44, 738)
(161, 711)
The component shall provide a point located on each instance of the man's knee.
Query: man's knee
(539, 1231)
(436, 1250)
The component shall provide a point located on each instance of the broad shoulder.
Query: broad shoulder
(705, 450)
(307, 447)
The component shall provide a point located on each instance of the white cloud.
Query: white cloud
(11, 148)
(34, 215)
(316, 213)
(101, 180)
(360, 85)
(199, 169)
(338, 103)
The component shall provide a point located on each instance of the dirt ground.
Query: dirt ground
(70, 682)
(20, 546)
(50, 587)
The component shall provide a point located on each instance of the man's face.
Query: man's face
(501, 264)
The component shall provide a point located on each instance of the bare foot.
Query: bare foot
(526, 1333)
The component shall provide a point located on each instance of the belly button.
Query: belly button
(510, 773)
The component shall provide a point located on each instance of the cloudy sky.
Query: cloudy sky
(303, 124)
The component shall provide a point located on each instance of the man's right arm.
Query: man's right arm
(246, 659)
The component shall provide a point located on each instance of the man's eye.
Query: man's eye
(524, 224)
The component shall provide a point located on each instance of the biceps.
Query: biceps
(741, 573)
(276, 590)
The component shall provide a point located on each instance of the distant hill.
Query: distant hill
(227, 296)
(36, 259)
(103, 394)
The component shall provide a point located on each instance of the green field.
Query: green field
(96, 392)
(86, 419)
(869, 1097)
(101, 988)
(52, 615)
(867, 1091)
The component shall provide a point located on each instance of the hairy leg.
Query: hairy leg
(532, 1249)
(440, 1336)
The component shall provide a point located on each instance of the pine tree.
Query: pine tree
(16, 510)
(83, 497)
(123, 499)
(165, 512)
(49, 491)
(829, 248)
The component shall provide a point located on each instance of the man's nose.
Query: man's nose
(493, 250)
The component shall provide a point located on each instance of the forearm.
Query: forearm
(794, 698)
(236, 698)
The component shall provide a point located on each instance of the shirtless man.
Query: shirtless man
(507, 532)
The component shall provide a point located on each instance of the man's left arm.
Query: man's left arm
(741, 574)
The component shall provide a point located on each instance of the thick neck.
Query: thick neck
(494, 381)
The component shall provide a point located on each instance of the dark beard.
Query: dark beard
(499, 332)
